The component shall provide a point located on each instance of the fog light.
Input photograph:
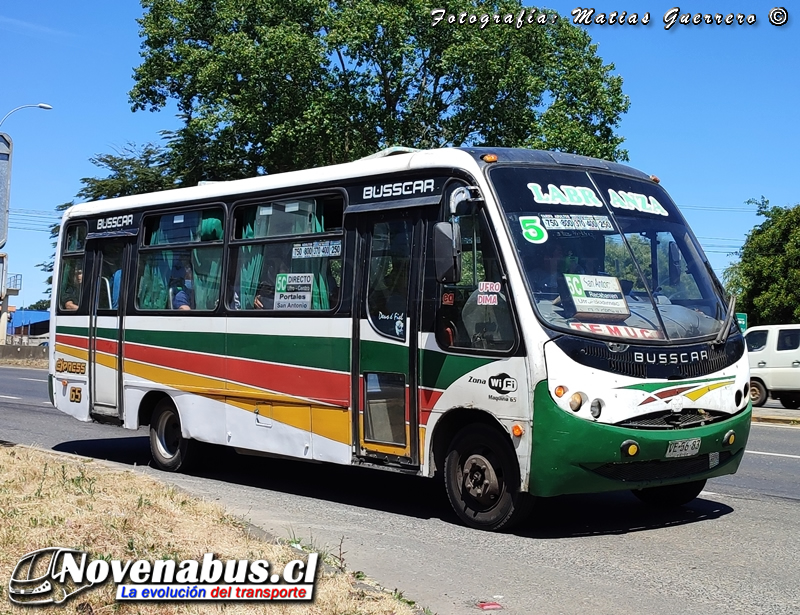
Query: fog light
(596, 408)
(629, 448)
(729, 438)
(561, 391)
(575, 402)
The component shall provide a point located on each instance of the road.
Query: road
(734, 550)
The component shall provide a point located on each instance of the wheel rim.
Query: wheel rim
(168, 434)
(481, 479)
(755, 393)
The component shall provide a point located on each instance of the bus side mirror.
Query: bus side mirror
(674, 264)
(447, 252)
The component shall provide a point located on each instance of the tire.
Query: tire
(758, 393)
(670, 496)
(792, 402)
(171, 451)
(481, 476)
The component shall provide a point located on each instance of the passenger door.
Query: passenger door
(110, 256)
(386, 424)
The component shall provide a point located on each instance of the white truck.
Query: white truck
(774, 353)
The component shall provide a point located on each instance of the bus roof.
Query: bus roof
(390, 161)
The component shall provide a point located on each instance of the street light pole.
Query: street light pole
(40, 106)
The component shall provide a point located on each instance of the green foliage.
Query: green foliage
(41, 305)
(766, 278)
(287, 84)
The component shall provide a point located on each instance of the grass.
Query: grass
(48, 499)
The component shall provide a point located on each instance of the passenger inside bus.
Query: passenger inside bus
(184, 299)
(72, 293)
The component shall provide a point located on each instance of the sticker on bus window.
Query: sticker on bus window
(532, 229)
(635, 201)
(634, 333)
(293, 291)
(568, 222)
(317, 249)
(565, 195)
(597, 295)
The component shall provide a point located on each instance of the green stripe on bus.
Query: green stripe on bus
(316, 352)
(438, 370)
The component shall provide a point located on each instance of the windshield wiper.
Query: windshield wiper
(723, 333)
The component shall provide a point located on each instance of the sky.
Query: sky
(713, 110)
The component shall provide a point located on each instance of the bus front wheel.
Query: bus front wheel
(670, 496)
(170, 450)
(482, 479)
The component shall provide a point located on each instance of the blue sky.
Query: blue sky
(713, 110)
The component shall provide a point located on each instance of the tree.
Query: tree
(131, 170)
(280, 85)
(766, 278)
(41, 305)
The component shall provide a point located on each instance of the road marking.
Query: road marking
(33, 379)
(9, 397)
(776, 425)
(773, 454)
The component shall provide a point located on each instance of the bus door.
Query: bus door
(110, 257)
(386, 425)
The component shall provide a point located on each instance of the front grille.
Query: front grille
(689, 417)
(653, 361)
(661, 469)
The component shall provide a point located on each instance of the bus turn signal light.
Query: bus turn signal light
(729, 438)
(517, 431)
(561, 391)
(629, 448)
(489, 157)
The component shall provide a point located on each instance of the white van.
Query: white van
(774, 352)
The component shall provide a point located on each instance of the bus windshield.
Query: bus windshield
(608, 256)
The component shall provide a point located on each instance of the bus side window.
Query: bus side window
(70, 286)
(475, 313)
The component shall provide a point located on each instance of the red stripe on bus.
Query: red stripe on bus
(73, 340)
(427, 400)
(294, 381)
(206, 365)
(328, 387)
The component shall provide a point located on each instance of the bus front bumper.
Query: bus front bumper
(573, 455)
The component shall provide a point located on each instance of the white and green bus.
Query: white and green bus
(520, 323)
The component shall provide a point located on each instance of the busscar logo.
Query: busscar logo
(503, 384)
(54, 574)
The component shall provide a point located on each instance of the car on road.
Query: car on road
(774, 353)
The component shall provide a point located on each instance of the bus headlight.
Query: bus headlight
(596, 408)
(575, 402)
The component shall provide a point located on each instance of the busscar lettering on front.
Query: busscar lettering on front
(114, 222)
(408, 188)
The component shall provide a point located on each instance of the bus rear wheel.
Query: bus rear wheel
(482, 479)
(670, 496)
(170, 450)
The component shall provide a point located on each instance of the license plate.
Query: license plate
(683, 448)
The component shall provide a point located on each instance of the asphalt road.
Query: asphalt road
(734, 550)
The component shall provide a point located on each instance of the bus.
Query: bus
(518, 323)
